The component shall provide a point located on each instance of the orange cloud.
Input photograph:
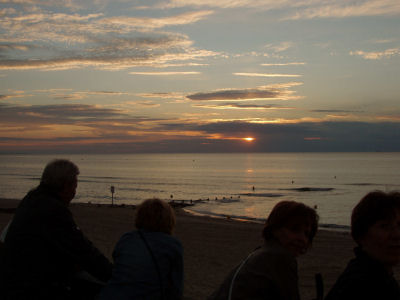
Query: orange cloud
(266, 75)
(164, 73)
(313, 138)
(377, 54)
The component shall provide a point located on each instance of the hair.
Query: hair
(155, 215)
(373, 207)
(286, 213)
(59, 172)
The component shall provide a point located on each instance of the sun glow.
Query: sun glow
(248, 139)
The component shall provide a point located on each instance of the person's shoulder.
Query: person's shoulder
(358, 280)
(365, 270)
(151, 236)
(129, 236)
(273, 250)
(165, 242)
(156, 240)
(167, 239)
(272, 257)
(176, 242)
(42, 202)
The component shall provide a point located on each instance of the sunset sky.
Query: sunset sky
(120, 76)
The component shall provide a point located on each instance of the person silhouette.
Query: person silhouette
(44, 248)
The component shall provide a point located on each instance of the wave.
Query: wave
(361, 184)
(102, 177)
(33, 179)
(269, 195)
(224, 216)
(309, 189)
(335, 226)
(227, 200)
(141, 190)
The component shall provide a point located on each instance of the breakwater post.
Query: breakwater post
(112, 195)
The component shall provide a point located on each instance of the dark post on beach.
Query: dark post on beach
(112, 195)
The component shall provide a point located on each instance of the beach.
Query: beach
(212, 246)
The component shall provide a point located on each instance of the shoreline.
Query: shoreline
(212, 246)
(10, 205)
(323, 226)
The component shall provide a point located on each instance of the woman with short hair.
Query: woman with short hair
(375, 227)
(148, 262)
(270, 272)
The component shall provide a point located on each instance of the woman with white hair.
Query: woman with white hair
(148, 261)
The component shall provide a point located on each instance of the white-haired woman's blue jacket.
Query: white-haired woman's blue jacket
(147, 265)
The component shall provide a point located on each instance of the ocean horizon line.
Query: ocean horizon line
(189, 152)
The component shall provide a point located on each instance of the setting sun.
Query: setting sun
(248, 139)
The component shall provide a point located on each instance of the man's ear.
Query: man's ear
(65, 193)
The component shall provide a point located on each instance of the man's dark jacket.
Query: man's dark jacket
(44, 248)
(365, 278)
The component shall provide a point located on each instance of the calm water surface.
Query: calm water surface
(334, 182)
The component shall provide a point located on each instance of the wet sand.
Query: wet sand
(212, 247)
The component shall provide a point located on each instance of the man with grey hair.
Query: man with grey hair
(44, 248)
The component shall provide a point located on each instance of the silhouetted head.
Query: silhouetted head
(293, 224)
(61, 176)
(375, 226)
(155, 215)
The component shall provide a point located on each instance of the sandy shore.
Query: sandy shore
(212, 246)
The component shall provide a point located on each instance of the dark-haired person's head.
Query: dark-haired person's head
(375, 226)
(155, 215)
(61, 176)
(293, 225)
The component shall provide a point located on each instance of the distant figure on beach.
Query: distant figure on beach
(148, 261)
(44, 248)
(270, 271)
(375, 227)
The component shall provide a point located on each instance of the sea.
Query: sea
(243, 186)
